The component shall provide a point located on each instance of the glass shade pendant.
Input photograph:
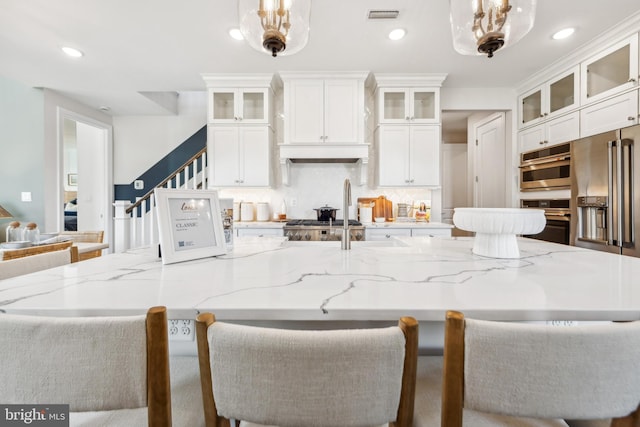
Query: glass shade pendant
(481, 27)
(276, 27)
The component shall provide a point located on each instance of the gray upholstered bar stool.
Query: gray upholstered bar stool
(339, 378)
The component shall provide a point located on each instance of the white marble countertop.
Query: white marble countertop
(394, 224)
(266, 279)
(259, 224)
(408, 224)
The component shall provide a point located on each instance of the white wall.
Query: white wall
(140, 141)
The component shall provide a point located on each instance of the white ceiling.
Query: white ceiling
(164, 45)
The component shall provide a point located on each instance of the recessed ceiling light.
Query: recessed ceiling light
(563, 34)
(397, 34)
(72, 52)
(236, 34)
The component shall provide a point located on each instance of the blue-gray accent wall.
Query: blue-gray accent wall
(164, 167)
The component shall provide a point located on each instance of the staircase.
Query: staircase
(135, 222)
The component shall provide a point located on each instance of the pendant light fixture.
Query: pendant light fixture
(276, 27)
(481, 27)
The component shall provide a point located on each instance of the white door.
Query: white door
(92, 178)
(490, 183)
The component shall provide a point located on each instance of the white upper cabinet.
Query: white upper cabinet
(555, 131)
(240, 98)
(408, 155)
(556, 96)
(239, 156)
(242, 105)
(610, 114)
(611, 71)
(407, 105)
(324, 108)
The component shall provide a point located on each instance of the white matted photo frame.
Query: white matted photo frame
(189, 224)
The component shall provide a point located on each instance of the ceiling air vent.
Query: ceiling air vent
(383, 14)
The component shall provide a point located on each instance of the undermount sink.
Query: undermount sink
(496, 228)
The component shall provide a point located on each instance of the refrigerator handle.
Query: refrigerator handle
(627, 171)
(620, 193)
(610, 223)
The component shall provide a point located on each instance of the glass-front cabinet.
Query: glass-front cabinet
(406, 105)
(556, 96)
(233, 105)
(613, 70)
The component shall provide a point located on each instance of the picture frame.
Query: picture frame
(72, 179)
(189, 224)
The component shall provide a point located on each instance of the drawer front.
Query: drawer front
(386, 233)
(417, 232)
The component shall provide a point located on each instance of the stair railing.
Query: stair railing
(136, 224)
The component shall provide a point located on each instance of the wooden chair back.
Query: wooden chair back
(30, 264)
(85, 236)
(91, 363)
(8, 254)
(329, 378)
(578, 372)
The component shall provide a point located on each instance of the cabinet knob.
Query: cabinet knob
(546, 114)
(541, 115)
(388, 236)
(631, 118)
(632, 80)
(541, 142)
(407, 118)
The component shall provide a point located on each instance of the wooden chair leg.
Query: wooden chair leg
(453, 370)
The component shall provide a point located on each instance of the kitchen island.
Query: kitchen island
(270, 279)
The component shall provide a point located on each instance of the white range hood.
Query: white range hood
(324, 153)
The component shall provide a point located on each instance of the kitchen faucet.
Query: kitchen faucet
(346, 202)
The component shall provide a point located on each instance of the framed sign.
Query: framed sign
(189, 223)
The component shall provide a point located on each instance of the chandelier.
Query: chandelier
(276, 27)
(481, 27)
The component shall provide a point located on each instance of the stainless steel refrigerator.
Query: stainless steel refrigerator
(605, 191)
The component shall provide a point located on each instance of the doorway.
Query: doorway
(86, 174)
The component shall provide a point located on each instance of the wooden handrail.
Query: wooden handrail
(169, 178)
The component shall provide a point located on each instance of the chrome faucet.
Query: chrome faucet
(346, 202)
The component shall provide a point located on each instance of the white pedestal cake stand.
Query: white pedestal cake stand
(496, 228)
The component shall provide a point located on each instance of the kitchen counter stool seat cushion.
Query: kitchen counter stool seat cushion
(540, 371)
(114, 365)
(339, 378)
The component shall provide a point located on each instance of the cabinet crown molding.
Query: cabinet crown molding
(235, 80)
(412, 80)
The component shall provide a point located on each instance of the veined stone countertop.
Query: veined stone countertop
(258, 224)
(408, 224)
(394, 224)
(270, 279)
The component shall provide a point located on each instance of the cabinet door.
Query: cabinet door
(222, 105)
(563, 129)
(424, 155)
(393, 105)
(224, 161)
(425, 107)
(254, 156)
(342, 115)
(532, 138)
(530, 106)
(393, 155)
(253, 105)
(618, 112)
(305, 109)
(611, 71)
(563, 92)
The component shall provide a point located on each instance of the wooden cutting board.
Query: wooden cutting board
(382, 208)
